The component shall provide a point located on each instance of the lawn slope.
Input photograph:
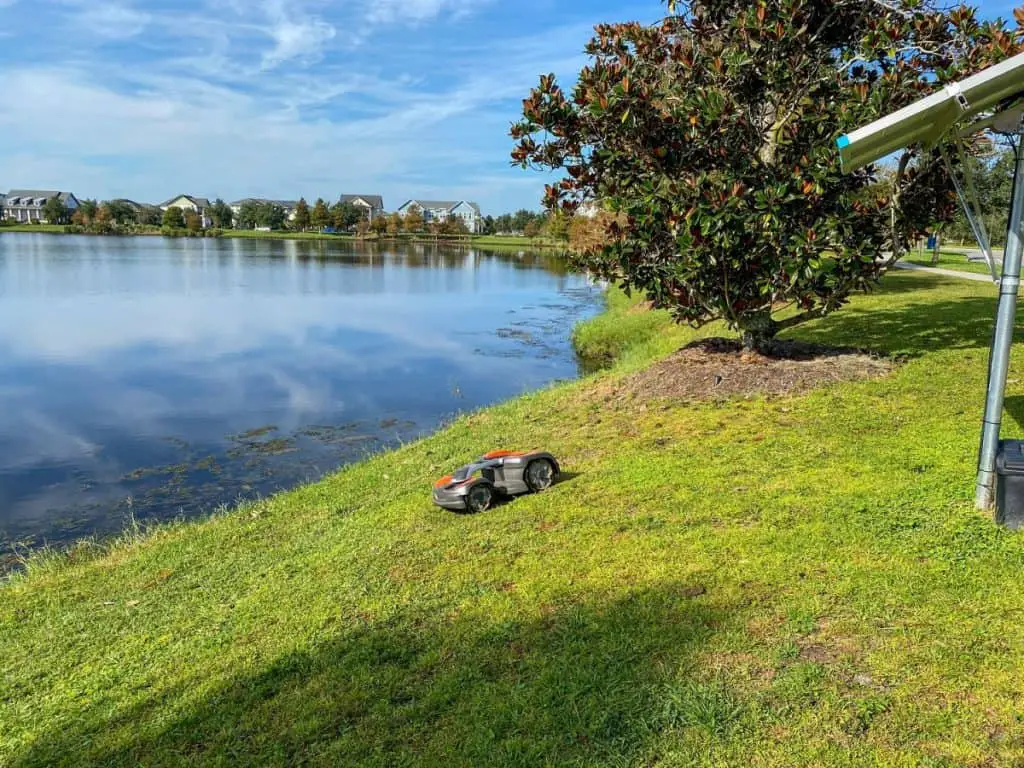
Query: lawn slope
(795, 582)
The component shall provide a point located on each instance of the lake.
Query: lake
(149, 378)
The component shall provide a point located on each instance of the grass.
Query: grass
(483, 241)
(48, 228)
(792, 582)
(513, 241)
(951, 260)
(281, 235)
(624, 333)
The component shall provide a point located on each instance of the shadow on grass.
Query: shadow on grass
(912, 329)
(1014, 406)
(501, 500)
(575, 683)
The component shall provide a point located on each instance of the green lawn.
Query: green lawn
(480, 241)
(49, 228)
(493, 242)
(794, 582)
(951, 260)
(512, 241)
(281, 235)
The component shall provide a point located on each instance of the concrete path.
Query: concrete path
(946, 272)
(980, 256)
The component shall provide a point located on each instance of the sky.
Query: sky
(148, 99)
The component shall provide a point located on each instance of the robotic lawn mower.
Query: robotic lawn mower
(474, 487)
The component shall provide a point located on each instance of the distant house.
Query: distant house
(288, 206)
(137, 207)
(26, 205)
(144, 212)
(442, 210)
(198, 205)
(372, 204)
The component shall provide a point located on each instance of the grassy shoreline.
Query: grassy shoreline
(49, 229)
(481, 241)
(790, 582)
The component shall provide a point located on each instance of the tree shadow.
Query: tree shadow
(915, 281)
(576, 682)
(1014, 406)
(911, 329)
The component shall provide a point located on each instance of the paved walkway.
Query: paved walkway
(946, 272)
(973, 254)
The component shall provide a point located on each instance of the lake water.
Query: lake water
(153, 378)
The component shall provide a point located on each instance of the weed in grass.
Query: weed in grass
(695, 704)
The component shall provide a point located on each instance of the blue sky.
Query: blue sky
(146, 99)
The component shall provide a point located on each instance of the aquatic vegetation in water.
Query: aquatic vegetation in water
(252, 434)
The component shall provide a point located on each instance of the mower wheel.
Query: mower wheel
(540, 475)
(479, 498)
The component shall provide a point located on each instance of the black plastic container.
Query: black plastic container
(1010, 484)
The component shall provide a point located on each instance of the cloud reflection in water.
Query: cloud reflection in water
(129, 364)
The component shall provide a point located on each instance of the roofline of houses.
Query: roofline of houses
(374, 204)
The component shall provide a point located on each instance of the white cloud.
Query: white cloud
(417, 11)
(192, 135)
(207, 119)
(295, 34)
(204, 332)
(414, 12)
(111, 20)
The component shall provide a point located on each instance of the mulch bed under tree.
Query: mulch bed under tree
(719, 369)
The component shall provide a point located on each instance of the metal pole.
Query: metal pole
(971, 209)
(1003, 338)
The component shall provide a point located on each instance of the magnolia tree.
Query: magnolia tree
(711, 138)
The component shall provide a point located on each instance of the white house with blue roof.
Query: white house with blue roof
(442, 210)
(26, 205)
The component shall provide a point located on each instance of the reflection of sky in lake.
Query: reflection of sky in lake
(187, 373)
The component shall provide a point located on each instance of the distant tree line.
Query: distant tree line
(109, 216)
(121, 216)
(992, 175)
(522, 222)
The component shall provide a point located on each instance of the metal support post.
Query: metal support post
(1002, 339)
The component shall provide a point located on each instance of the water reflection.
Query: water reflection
(181, 374)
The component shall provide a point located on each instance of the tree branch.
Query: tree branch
(893, 208)
(803, 317)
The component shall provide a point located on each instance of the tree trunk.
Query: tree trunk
(758, 332)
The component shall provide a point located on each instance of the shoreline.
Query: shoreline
(13, 567)
(479, 241)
